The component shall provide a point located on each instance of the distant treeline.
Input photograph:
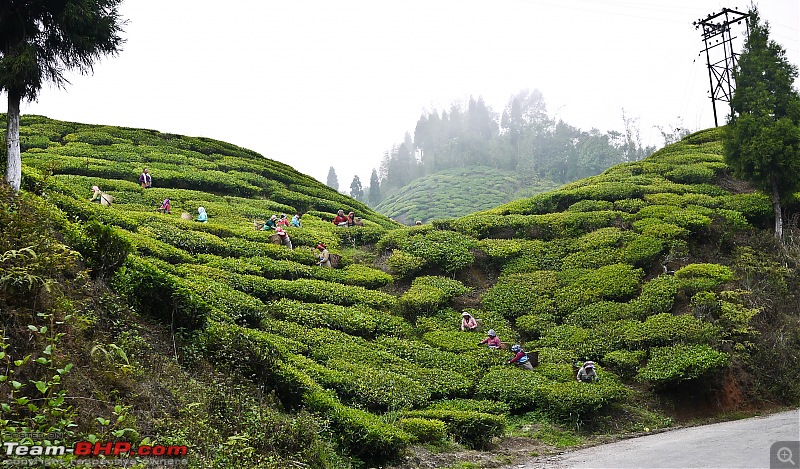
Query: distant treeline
(523, 139)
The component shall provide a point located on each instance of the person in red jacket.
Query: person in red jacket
(340, 219)
(491, 340)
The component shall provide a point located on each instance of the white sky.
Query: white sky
(315, 83)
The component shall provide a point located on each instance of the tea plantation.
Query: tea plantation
(136, 324)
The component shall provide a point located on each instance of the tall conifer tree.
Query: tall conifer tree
(40, 40)
(332, 181)
(762, 139)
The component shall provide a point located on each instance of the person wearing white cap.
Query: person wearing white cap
(587, 374)
(491, 340)
(202, 216)
(468, 323)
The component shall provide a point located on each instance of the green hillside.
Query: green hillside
(122, 322)
(457, 192)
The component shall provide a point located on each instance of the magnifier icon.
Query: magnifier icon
(785, 455)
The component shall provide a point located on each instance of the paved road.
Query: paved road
(737, 444)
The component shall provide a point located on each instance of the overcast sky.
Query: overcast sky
(319, 83)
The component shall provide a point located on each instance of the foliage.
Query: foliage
(473, 429)
(671, 365)
(423, 430)
(762, 139)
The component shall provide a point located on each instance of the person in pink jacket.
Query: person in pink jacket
(468, 323)
(491, 340)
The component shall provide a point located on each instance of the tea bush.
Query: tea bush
(483, 406)
(403, 264)
(574, 400)
(472, 429)
(516, 387)
(423, 430)
(518, 294)
(429, 294)
(600, 312)
(152, 291)
(358, 320)
(671, 365)
(657, 296)
(427, 356)
(311, 291)
(625, 362)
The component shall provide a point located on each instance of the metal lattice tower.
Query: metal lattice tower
(716, 33)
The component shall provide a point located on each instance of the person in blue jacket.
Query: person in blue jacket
(520, 358)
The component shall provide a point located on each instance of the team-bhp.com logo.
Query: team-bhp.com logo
(18, 454)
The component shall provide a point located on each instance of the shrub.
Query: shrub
(472, 429)
(692, 174)
(374, 387)
(516, 387)
(657, 296)
(423, 430)
(666, 328)
(484, 406)
(535, 325)
(574, 400)
(403, 264)
(429, 294)
(642, 251)
(625, 362)
(154, 292)
(363, 434)
(518, 294)
(358, 320)
(447, 250)
(671, 365)
(590, 206)
(103, 248)
(703, 277)
(311, 291)
(600, 312)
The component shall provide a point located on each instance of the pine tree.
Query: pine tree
(356, 191)
(332, 181)
(374, 194)
(41, 40)
(762, 139)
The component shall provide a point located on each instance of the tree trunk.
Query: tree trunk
(14, 160)
(776, 206)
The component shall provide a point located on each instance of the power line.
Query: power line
(716, 33)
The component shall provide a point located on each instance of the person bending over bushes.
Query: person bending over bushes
(166, 206)
(101, 198)
(587, 374)
(202, 216)
(468, 323)
(520, 358)
(491, 340)
(270, 224)
(324, 256)
(284, 237)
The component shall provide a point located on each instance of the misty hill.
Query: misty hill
(662, 271)
(456, 192)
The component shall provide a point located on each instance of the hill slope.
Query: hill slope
(212, 337)
(457, 192)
